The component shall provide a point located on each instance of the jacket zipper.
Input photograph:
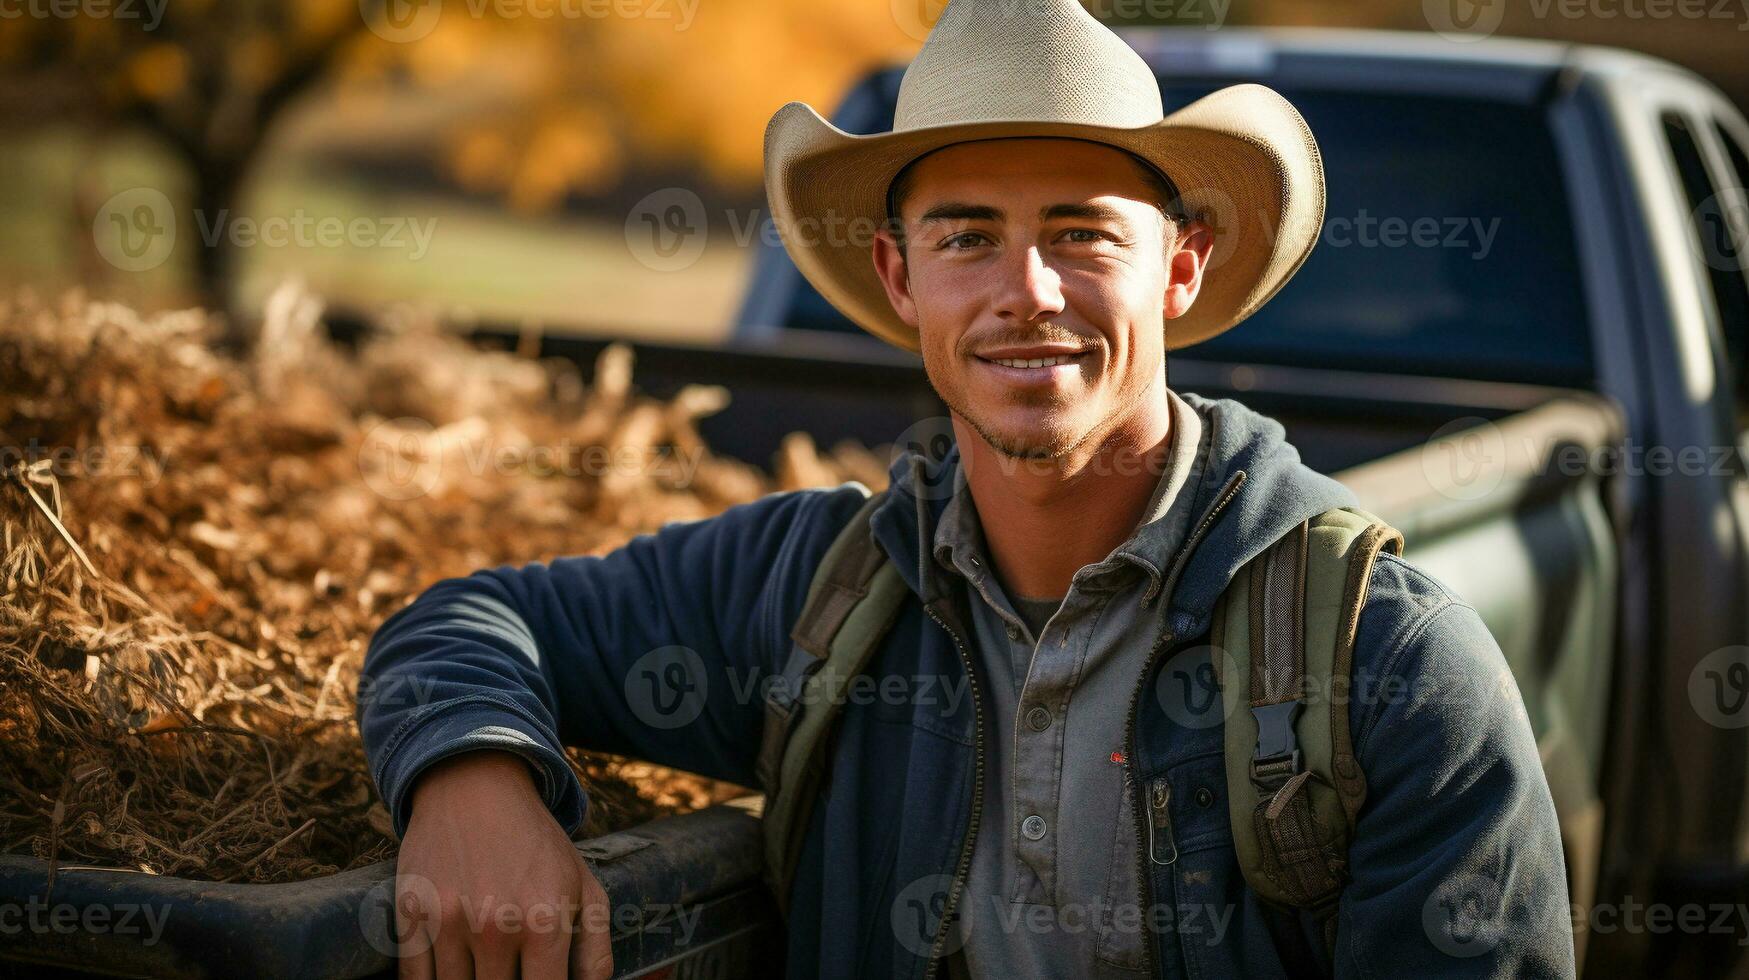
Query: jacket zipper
(934, 962)
(1160, 823)
(1144, 823)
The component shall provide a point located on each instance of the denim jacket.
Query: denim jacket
(658, 650)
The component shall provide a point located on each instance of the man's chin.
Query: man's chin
(1023, 441)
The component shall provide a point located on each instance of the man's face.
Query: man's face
(1038, 273)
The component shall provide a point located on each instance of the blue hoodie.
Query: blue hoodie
(658, 651)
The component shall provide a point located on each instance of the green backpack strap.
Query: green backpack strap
(1287, 625)
(852, 602)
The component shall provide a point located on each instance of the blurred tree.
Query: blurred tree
(207, 77)
(588, 88)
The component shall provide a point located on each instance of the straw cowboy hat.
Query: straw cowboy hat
(1242, 158)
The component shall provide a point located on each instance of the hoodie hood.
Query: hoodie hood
(1253, 490)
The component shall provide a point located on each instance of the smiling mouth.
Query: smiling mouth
(1043, 360)
(1033, 362)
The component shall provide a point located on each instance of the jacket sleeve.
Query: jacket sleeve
(1457, 868)
(656, 650)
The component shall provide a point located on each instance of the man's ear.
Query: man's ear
(889, 264)
(1185, 265)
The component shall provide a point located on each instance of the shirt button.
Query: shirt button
(1205, 797)
(1033, 827)
(1013, 633)
(1039, 718)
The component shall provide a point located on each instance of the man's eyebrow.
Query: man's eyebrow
(958, 211)
(1091, 211)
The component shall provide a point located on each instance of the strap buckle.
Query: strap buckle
(1277, 758)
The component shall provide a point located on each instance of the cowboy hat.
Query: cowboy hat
(1242, 158)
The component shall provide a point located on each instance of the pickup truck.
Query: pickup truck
(1522, 340)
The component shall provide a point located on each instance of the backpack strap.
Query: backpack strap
(852, 602)
(1287, 625)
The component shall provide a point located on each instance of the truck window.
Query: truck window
(1719, 251)
(1447, 248)
(1484, 284)
(1737, 341)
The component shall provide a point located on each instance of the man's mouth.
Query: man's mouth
(1043, 366)
(1032, 362)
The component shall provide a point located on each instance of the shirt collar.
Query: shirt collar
(959, 543)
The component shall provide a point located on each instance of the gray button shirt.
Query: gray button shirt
(1057, 848)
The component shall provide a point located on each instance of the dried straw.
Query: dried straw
(195, 549)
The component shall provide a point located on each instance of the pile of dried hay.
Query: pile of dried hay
(197, 547)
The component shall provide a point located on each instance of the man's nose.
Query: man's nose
(1028, 288)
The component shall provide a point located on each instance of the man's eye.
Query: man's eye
(963, 240)
(1084, 236)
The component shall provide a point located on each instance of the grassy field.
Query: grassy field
(441, 253)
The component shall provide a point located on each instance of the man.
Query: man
(1040, 800)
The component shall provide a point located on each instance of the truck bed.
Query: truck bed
(1505, 504)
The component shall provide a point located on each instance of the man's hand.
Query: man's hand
(487, 884)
